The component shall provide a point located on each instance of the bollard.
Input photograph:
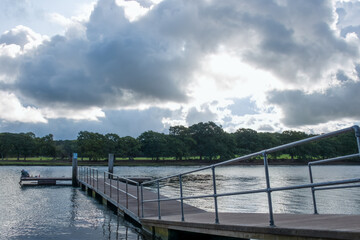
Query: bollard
(74, 170)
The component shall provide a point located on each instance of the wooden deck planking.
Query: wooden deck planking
(150, 208)
(256, 225)
(251, 225)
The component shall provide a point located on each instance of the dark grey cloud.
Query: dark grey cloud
(122, 63)
(266, 128)
(203, 115)
(299, 108)
(18, 36)
(116, 63)
(124, 123)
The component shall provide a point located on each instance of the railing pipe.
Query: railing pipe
(138, 198)
(181, 199)
(110, 177)
(104, 184)
(271, 215)
(158, 197)
(334, 159)
(142, 200)
(127, 195)
(312, 190)
(118, 189)
(97, 179)
(336, 187)
(215, 195)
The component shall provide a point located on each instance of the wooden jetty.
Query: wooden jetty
(170, 218)
(197, 221)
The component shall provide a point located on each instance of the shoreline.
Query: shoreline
(277, 162)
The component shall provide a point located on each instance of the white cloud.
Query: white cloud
(13, 111)
(197, 59)
(89, 114)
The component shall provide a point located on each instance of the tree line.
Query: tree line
(201, 141)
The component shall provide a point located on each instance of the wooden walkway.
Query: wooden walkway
(238, 225)
(132, 206)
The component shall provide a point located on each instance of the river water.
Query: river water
(57, 212)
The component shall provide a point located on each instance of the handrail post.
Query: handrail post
(158, 195)
(138, 198)
(97, 179)
(117, 186)
(268, 189)
(312, 189)
(215, 196)
(87, 175)
(142, 200)
(104, 184)
(181, 199)
(110, 177)
(127, 195)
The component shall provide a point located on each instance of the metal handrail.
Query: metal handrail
(268, 189)
(88, 176)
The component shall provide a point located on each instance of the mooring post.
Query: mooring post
(111, 164)
(74, 170)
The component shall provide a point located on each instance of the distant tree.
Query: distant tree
(247, 141)
(46, 146)
(293, 136)
(65, 148)
(180, 142)
(26, 144)
(113, 144)
(153, 144)
(209, 139)
(91, 145)
(130, 147)
(6, 146)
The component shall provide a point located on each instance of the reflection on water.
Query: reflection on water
(51, 212)
(67, 213)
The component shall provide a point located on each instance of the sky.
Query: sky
(126, 67)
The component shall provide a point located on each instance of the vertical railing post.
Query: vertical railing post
(142, 200)
(87, 175)
(118, 190)
(268, 188)
(127, 195)
(215, 196)
(158, 195)
(181, 199)
(104, 184)
(110, 177)
(312, 189)
(97, 179)
(138, 198)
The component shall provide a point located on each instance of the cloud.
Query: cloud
(171, 52)
(11, 110)
(336, 103)
(123, 122)
(204, 114)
